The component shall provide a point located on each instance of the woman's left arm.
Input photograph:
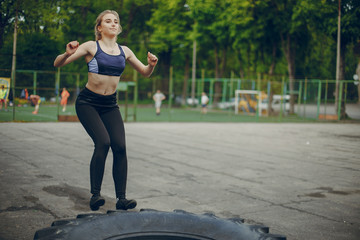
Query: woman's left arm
(147, 70)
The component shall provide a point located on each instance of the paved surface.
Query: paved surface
(310, 110)
(301, 180)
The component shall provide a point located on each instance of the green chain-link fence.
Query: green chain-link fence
(312, 99)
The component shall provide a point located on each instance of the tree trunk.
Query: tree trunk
(248, 52)
(273, 60)
(216, 54)
(165, 65)
(186, 79)
(290, 52)
(217, 87)
(343, 114)
(241, 65)
(84, 14)
(224, 53)
(255, 61)
(130, 20)
(358, 73)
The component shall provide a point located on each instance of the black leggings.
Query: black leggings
(102, 120)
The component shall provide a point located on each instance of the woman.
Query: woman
(96, 105)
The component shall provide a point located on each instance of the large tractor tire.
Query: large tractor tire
(154, 225)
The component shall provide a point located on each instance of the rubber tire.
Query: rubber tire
(154, 225)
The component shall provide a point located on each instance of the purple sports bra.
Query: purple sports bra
(106, 64)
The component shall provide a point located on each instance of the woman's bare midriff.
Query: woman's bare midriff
(102, 84)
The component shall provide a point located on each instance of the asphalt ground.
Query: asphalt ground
(300, 179)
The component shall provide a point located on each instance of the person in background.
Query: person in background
(24, 94)
(158, 98)
(96, 105)
(3, 97)
(64, 98)
(35, 100)
(204, 102)
(10, 98)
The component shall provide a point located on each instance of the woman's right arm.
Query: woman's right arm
(73, 52)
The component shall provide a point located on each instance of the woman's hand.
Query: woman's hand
(73, 52)
(71, 47)
(152, 59)
(147, 70)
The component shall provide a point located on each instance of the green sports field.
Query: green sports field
(49, 113)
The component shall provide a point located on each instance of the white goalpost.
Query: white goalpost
(244, 100)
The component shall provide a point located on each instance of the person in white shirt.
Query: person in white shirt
(204, 102)
(158, 98)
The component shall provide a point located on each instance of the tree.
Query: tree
(212, 26)
(253, 28)
(350, 35)
(290, 24)
(357, 54)
(170, 23)
(7, 12)
(291, 37)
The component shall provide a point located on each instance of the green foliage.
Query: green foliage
(240, 36)
(34, 51)
(169, 22)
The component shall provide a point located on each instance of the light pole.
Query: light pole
(337, 91)
(193, 74)
(193, 80)
(13, 66)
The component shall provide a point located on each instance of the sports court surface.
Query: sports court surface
(300, 179)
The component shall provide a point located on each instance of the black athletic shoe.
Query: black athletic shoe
(96, 202)
(124, 204)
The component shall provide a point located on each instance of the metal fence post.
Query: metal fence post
(326, 95)
(299, 97)
(57, 90)
(224, 90)
(305, 95)
(34, 82)
(258, 113)
(211, 91)
(171, 91)
(281, 97)
(170, 87)
(135, 79)
(339, 99)
(318, 100)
